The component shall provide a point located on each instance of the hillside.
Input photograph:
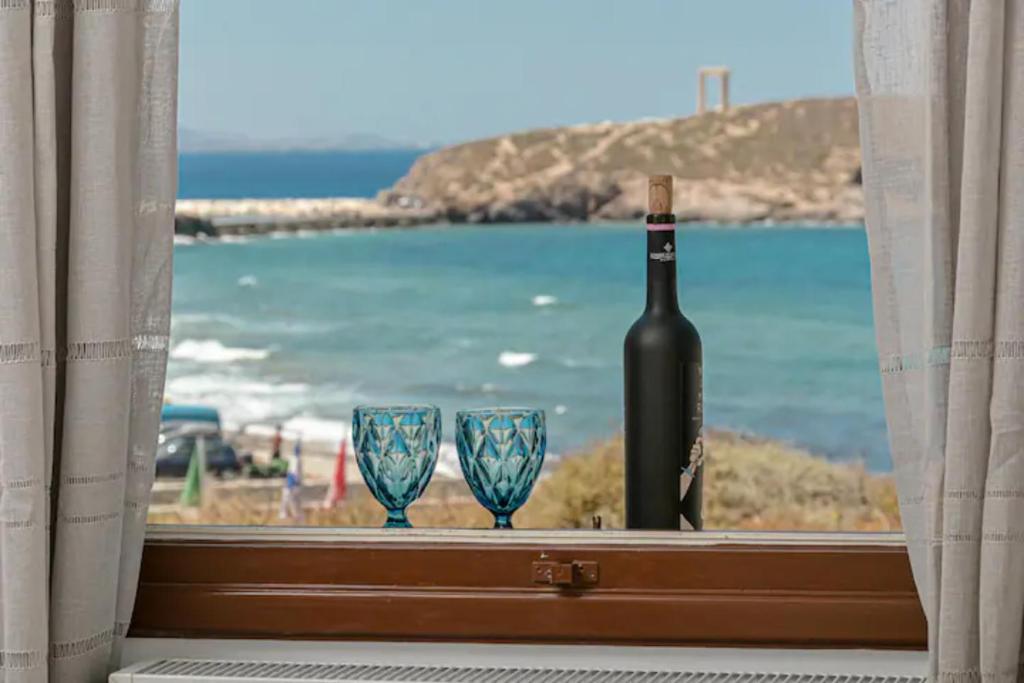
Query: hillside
(786, 161)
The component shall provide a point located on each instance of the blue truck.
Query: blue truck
(181, 426)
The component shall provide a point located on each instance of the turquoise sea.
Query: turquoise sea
(301, 329)
(233, 175)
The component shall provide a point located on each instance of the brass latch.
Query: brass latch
(575, 574)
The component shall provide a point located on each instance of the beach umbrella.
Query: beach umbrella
(336, 491)
(190, 494)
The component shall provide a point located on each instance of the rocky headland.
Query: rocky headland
(787, 161)
(795, 161)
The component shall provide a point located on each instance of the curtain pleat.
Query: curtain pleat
(87, 185)
(941, 99)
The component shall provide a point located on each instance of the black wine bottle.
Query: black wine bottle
(664, 393)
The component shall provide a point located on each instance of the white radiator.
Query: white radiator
(206, 671)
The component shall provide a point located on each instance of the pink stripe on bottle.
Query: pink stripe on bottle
(661, 227)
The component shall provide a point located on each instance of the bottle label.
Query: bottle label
(667, 253)
(693, 443)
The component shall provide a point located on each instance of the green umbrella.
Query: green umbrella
(190, 494)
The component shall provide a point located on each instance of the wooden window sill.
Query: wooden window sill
(719, 589)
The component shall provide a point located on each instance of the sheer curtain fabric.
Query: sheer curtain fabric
(87, 185)
(941, 90)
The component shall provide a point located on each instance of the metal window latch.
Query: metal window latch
(575, 574)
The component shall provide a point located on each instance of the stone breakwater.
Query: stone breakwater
(220, 217)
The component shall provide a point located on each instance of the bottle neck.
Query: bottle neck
(661, 270)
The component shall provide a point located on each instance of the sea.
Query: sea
(299, 329)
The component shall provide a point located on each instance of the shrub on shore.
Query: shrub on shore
(750, 483)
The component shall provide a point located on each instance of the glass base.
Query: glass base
(502, 521)
(397, 520)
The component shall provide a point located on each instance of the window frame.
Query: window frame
(738, 589)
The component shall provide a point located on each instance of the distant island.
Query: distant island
(795, 161)
(192, 141)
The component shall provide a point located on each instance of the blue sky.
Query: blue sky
(439, 71)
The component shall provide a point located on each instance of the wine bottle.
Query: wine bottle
(663, 389)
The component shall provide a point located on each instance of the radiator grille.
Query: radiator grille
(213, 671)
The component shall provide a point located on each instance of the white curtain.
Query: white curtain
(87, 185)
(941, 91)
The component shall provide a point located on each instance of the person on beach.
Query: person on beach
(291, 493)
(336, 490)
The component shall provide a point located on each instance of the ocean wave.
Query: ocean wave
(233, 239)
(197, 322)
(257, 404)
(545, 300)
(515, 359)
(184, 240)
(205, 384)
(588, 363)
(212, 351)
(485, 388)
(204, 318)
(248, 281)
(240, 400)
(319, 429)
(448, 466)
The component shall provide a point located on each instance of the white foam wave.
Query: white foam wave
(515, 359)
(212, 351)
(197, 323)
(258, 404)
(448, 462)
(582, 363)
(184, 240)
(240, 400)
(248, 281)
(198, 385)
(545, 300)
(318, 429)
(233, 239)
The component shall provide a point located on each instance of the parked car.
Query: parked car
(177, 444)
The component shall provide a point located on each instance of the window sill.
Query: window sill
(193, 533)
(712, 588)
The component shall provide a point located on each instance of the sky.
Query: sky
(432, 72)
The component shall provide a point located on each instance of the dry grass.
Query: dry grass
(750, 483)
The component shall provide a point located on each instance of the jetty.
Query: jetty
(223, 217)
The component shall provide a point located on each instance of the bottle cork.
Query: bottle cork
(659, 194)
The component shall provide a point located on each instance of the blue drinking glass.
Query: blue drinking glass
(501, 451)
(396, 450)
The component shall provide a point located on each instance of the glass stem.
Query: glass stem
(502, 521)
(397, 520)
